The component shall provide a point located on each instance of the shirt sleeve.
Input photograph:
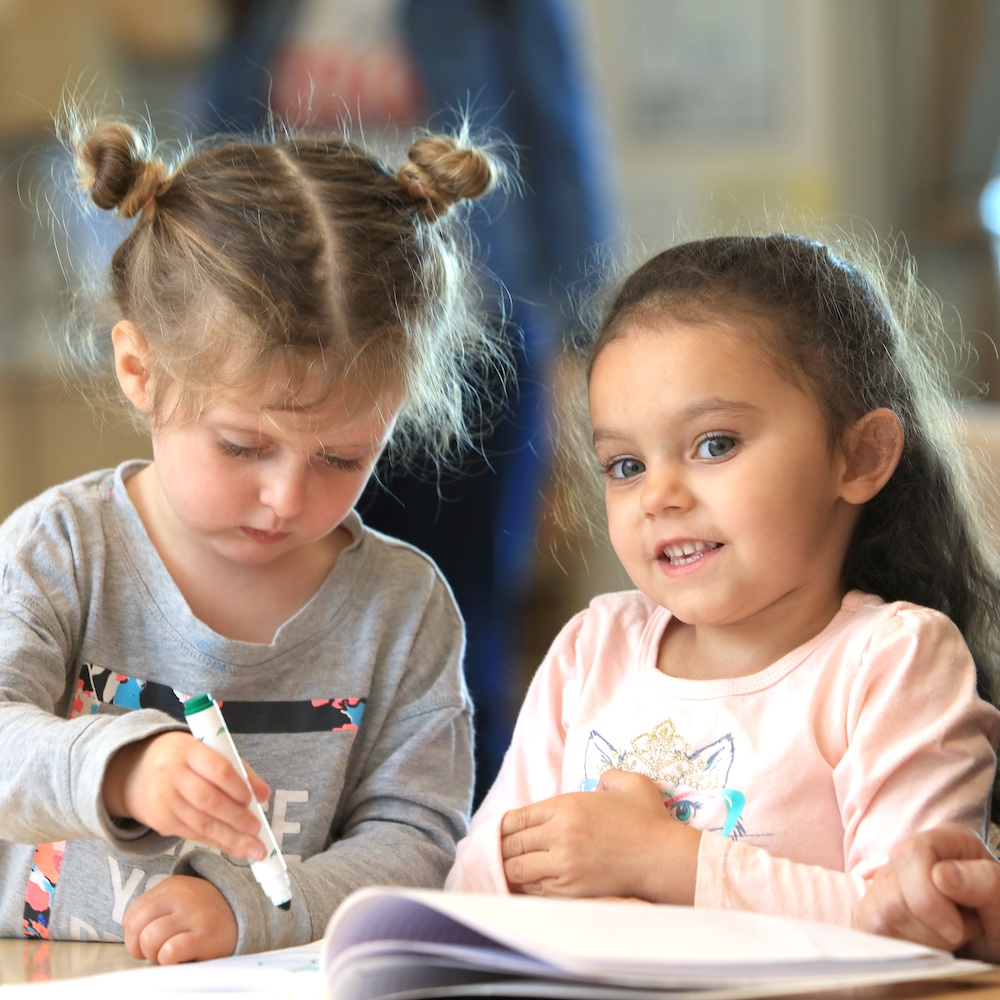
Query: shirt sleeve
(43, 598)
(531, 769)
(914, 747)
(403, 808)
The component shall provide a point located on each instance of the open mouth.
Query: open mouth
(685, 553)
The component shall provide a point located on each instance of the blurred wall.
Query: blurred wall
(872, 113)
(137, 55)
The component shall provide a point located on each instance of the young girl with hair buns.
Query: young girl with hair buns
(792, 686)
(284, 313)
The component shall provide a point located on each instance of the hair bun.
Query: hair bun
(113, 166)
(441, 172)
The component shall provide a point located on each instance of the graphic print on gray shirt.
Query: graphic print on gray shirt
(356, 715)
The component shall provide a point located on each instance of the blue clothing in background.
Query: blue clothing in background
(514, 68)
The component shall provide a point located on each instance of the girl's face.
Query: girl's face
(724, 498)
(252, 484)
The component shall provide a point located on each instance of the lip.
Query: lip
(264, 537)
(685, 555)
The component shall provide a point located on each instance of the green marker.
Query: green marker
(206, 723)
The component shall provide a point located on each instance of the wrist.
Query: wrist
(671, 874)
(116, 776)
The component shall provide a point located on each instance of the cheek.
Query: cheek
(203, 498)
(622, 530)
(339, 496)
(786, 518)
(203, 487)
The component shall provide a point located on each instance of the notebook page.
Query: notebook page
(620, 942)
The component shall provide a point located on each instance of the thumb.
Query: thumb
(613, 780)
(975, 884)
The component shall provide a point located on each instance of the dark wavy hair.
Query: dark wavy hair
(858, 334)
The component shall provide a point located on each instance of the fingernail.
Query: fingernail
(954, 933)
(952, 872)
(257, 853)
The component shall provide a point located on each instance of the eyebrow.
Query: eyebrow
(697, 411)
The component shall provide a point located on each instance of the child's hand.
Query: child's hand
(940, 888)
(182, 788)
(181, 919)
(618, 840)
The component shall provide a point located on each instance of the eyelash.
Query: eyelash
(344, 464)
(249, 453)
(615, 463)
(608, 468)
(237, 450)
(717, 436)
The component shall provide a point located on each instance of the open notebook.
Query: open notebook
(416, 944)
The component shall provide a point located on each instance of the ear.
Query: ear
(871, 449)
(133, 373)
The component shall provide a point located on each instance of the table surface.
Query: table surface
(40, 961)
(979, 986)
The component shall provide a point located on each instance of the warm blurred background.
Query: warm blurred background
(677, 114)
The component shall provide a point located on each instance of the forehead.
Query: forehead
(344, 411)
(679, 346)
(653, 375)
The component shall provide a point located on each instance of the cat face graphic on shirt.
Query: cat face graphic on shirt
(692, 782)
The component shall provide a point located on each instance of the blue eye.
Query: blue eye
(685, 810)
(625, 468)
(715, 446)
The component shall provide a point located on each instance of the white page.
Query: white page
(391, 979)
(627, 943)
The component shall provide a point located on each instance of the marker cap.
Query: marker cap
(197, 704)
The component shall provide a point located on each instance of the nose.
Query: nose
(283, 488)
(664, 488)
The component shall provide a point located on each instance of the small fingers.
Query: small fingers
(928, 913)
(166, 941)
(527, 870)
(258, 785)
(974, 884)
(520, 833)
(149, 941)
(142, 938)
(211, 817)
(516, 820)
(901, 903)
(969, 883)
(518, 853)
(213, 831)
(514, 845)
(934, 925)
(180, 919)
(217, 810)
(184, 946)
(212, 767)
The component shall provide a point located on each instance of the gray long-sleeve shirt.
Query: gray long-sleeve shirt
(356, 715)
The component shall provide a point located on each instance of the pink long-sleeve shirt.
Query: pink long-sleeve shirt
(804, 774)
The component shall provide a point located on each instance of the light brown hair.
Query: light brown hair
(299, 258)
